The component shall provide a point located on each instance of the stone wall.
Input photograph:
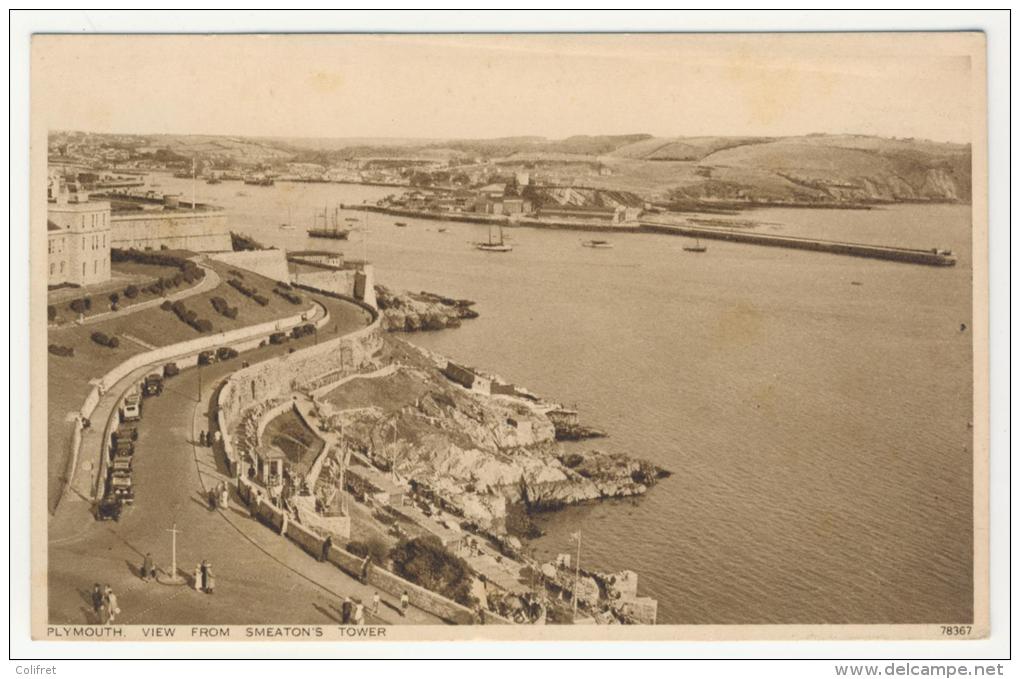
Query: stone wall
(340, 281)
(269, 263)
(196, 231)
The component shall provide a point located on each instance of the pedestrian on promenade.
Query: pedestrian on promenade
(345, 611)
(326, 544)
(224, 495)
(198, 577)
(97, 600)
(375, 603)
(148, 567)
(201, 438)
(365, 566)
(210, 580)
(359, 613)
(213, 498)
(217, 437)
(112, 609)
(405, 601)
(205, 574)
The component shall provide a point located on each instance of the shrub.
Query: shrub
(223, 308)
(289, 296)
(58, 350)
(202, 325)
(235, 272)
(102, 339)
(425, 562)
(167, 305)
(77, 306)
(262, 301)
(114, 298)
(374, 547)
(131, 291)
(88, 303)
(51, 313)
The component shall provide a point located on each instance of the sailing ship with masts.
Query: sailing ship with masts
(330, 229)
(498, 245)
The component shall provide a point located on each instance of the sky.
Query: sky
(471, 86)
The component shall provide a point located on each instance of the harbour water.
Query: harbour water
(814, 409)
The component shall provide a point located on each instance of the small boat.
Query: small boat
(856, 283)
(351, 219)
(697, 247)
(286, 227)
(494, 246)
(442, 230)
(259, 181)
(212, 180)
(400, 223)
(596, 244)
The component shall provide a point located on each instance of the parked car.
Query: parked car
(278, 338)
(109, 509)
(121, 463)
(226, 353)
(302, 330)
(121, 487)
(153, 384)
(126, 434)
(123, 448)
(171, 370)
(207, 357)
(131, 409)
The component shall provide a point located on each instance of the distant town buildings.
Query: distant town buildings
(78, 237)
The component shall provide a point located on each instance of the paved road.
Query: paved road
(256, 583)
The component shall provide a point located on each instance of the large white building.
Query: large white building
(79, 239)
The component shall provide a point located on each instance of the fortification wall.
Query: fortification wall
(197, 231)
(269, 263)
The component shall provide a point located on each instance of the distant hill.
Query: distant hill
(811, 169)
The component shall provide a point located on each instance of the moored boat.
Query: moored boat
(604, 244)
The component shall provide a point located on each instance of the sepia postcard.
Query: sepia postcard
(404, 337)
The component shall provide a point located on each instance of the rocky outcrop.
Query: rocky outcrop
(413, 312)
(479, 454)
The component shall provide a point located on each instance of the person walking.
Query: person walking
(359, 613)
(405, 601)
(205, 574)
(375, 603)
(97, 601)
(326, 544)
(210, 580)
(224, 495)
(198, 577)
(201, 438)
(148, 567)
(112, 607)
(217, 437)
(345, 611)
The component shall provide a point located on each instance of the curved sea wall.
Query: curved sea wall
(303, 370)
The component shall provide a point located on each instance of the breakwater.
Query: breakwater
(932, 257)
(928, 257)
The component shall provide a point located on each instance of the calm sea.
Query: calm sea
(817, 430)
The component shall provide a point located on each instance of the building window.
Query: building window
(51, 268)
(95, 266)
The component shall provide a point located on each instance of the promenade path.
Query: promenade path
(261, 577)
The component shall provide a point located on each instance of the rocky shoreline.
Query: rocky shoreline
(414, 312)
(478, 453)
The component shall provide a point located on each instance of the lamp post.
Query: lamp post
(577, 570)
(174, 578)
